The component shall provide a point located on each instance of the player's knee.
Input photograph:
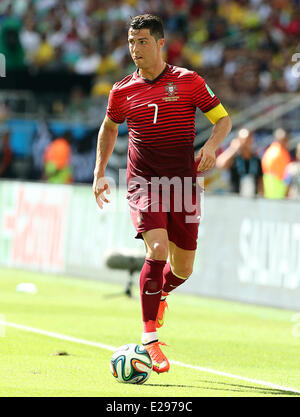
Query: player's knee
(158, 251)
(183, 271)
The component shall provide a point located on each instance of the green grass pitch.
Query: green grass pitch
(228, 337)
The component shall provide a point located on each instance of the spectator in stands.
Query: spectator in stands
(72, 45)
(30, 39)
(44, 55)
(107, 65)
(59, 64)
(263, 35)
(40, 141)
(243, 164)
(292, 176)
(57, 35)
(5, 155)
(58, 160)
(10, 45)
(102, 87)
(274, 162)
(89, 62)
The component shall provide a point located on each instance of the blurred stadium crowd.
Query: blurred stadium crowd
(243, 48)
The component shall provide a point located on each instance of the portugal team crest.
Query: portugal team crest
(171, 90)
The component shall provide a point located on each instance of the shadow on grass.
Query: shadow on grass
(120, 295)
(225, 386)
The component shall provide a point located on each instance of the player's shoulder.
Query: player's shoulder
(184, 73)
(121, 86)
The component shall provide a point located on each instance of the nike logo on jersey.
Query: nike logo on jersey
(129, 98)
(152, 293)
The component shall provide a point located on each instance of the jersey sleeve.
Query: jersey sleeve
(205, 99)
(115, 109)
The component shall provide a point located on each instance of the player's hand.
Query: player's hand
(100, 185)
(207, 158)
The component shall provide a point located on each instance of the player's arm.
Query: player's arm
(204, 98)
(107, 137)
(222, 127)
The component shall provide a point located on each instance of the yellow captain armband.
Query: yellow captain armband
(216, 113)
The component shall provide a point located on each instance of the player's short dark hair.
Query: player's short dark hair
(148, 21)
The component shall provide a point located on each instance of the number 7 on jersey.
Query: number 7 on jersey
(155, 113)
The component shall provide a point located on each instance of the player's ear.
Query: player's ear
(161, 42)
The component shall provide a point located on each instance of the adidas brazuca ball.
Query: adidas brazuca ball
(131, 364)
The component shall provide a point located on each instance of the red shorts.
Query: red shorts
(180, 220)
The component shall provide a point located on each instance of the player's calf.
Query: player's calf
(172, 280)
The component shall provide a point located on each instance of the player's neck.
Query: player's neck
(153, 72)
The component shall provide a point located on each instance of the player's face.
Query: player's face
(145, 50)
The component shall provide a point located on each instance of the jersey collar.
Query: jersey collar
(155, 79)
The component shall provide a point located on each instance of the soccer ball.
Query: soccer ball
(131, 364)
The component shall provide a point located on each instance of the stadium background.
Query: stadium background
(61, 60)
(63, 57)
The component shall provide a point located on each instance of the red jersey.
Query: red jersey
(160, 116)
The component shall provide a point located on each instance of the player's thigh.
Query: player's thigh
(157, 243)
(181, 260)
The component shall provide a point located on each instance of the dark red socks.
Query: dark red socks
(170, 280)
(151, 282)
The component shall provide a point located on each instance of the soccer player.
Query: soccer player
(159, 102)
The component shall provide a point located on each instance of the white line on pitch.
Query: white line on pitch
(112, 348)
(242, 378)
